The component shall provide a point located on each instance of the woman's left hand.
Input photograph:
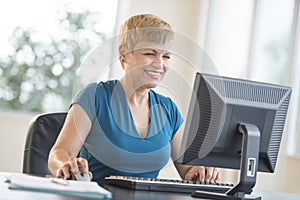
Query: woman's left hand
(203, 174)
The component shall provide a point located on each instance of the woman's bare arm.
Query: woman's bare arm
(63, 155)
(190, 172)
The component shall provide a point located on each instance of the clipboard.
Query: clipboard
(27, 182)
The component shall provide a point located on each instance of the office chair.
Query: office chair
(42, 133)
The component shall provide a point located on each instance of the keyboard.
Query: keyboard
(166, 185)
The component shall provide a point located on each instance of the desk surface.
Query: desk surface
(121, 193)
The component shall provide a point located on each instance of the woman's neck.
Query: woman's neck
(136, 95)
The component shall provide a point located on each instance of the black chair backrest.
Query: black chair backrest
(41, 136)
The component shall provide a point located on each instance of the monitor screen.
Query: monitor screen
(222, 111)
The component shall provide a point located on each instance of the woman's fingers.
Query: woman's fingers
(74, 165)
(203, 174)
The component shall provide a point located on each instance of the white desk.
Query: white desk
(121, 193)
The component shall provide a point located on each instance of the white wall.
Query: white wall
(184, 16)
(13, 128)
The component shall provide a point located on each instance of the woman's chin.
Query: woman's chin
(150, 85)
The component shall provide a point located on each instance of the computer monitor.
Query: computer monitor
(237, 124)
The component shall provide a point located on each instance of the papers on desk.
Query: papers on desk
(50, 185)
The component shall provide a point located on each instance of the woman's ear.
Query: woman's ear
(122, 50)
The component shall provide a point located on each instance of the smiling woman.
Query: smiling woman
(123, 127)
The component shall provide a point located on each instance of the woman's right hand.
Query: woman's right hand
(75, 165)
(63, 155)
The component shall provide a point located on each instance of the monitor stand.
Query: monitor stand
(248, 168)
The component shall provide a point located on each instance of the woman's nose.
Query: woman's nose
(158, 61)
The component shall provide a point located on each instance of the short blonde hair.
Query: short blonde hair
(145, 28)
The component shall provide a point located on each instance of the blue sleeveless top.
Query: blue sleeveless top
(114, 146)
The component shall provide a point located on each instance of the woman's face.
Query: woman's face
(147, 64)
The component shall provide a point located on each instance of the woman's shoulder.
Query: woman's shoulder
(167, 103)
(108, 83)
(101, 85)
(160, 98)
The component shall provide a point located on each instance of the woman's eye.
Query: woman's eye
(149, 54)
(167, 57)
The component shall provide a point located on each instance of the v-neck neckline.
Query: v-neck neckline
(137, 133)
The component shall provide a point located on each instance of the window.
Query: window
(294, 127)
(42, 43)
(271, 41)
(229, 32)
(260, 41)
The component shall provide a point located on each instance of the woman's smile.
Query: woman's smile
(154, 74)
